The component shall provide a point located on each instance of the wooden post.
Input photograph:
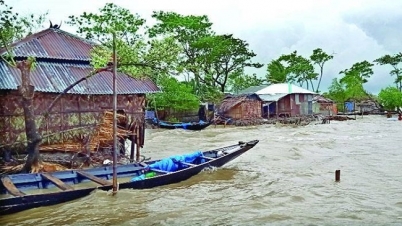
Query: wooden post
(137, 144)
(276, 109)
(132, 147)
(337, 175)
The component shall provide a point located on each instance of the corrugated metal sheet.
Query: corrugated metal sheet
(57, 53)
(271, 98)
(55, 77)
(253, 89)
(283, 88)
(53, 44)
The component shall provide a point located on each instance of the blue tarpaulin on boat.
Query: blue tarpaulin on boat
(172, 163)
(179, 124)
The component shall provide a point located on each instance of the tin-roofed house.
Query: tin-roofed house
(62, 59)
(283, 100)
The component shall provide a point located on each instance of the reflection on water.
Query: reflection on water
(288, 178)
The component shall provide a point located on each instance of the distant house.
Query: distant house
(324, 106)
(62, 59)
(283, 99)
(241, 106)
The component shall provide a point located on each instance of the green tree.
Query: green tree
(394, 61)
(240, 81)
(360, 70)
(110, 19)
(125, 26)
(319, 57)
(176, 96)
(391, 98)
(186, 30)
(276, 72)
(337, 92)
(301, 69)
(15, 26)
(222, 56)
(12, 27)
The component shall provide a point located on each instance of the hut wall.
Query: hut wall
(295, 105)
(71, 112)
(324, 108)
(248, 108)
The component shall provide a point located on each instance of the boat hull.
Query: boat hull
(21, 203)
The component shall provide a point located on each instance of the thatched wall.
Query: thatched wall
(241, 107)
(72, 111)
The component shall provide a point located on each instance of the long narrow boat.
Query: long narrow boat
(182, 125)
(25, 191)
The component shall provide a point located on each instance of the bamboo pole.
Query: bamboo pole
(114, 117)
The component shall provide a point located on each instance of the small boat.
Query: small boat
(21, 192)
(182, 125)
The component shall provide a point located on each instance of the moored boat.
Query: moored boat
(182, 125)
(25, 191)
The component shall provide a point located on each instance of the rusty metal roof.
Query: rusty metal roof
(62, 59)
(53, 44)
(55, 77)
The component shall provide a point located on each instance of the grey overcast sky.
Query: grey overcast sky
(354, 30)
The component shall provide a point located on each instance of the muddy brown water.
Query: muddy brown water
(287, 179)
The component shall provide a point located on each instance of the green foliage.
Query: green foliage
(154, 58)
(337, 92)
(240, 81)
(276, 72)
(390, 98)
(185, 30)
(319, 57)
(223, 56)
(394, 61)
(360, 71)
(209, 57)
(301, 69)
(111, 19)
(14, 26)
(176, 96)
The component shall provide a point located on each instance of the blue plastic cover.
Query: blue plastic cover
(172, 163)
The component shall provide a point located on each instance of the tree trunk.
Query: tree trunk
(26, 91)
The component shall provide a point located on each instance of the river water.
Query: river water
(287, 179)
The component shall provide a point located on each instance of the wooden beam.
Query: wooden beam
(208, 158)
(60, 184)
(159, 171)
(188, 164)
(155, 170)
(10, 186)
(95, 179)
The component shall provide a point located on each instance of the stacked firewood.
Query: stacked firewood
(102, 137)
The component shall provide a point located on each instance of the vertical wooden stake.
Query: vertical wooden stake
(337, 175)
(137, 154)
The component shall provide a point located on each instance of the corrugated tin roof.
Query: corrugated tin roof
(53, 44)
(271, 98)
(283, 88)
(252, 89)
(62, 59)
(55, 77)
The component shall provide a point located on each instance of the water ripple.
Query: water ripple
(287, 179)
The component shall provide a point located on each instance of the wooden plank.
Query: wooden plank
(159, 171)
(95, 179)
(155, 170)
(10, 186)
(60, 184)
(188, 164)
(209, 158)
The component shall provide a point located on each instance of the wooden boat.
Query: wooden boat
(182, 125)
(25, 191)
